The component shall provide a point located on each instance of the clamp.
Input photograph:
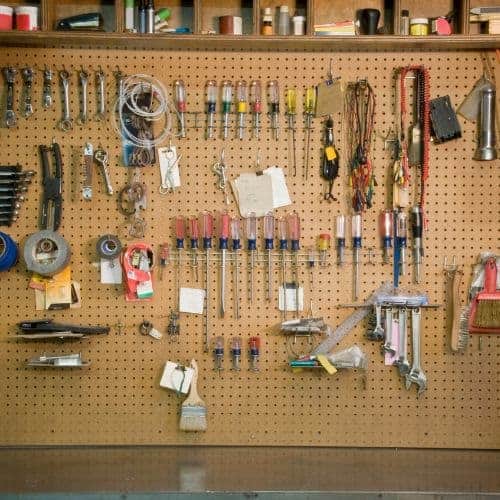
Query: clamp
(52, 187)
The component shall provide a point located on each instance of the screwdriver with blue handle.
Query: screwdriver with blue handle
(283, 241)
(294, 232)
(269, 245)
(235, 237)
(223, 238)
(251, 233)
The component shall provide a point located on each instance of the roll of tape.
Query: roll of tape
(9, 252)
(108, 247)
(46, 253)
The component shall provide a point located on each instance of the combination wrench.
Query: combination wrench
(10, 117)
(100, 79)
(416, 374)
(66, 122)
(83, 78)
(27, 74)
(47, 88)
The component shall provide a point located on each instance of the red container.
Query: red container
(5, 17)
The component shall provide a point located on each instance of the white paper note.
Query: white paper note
(111, 272)
(253, 193)
(281, 197)
(191, 300)
(291, 299)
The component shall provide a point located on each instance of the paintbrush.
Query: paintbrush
(194, 409)
(484, 314)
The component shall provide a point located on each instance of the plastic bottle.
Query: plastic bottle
(267, 22)
(284, 21)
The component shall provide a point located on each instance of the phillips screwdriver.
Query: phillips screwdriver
(294, 233)
(418, 248)
(223, 237)
(180, 104)
(401, 236)
(256, 106)
(356, 250)
(273, 99)
(269, 245)
(323, 248)
(207, 228)
(211, 101)
(235, 236)
(291, 111)
(194, 236)
(340, 235)
(180, 227)
(309, 110)
(241, 106)
(251, 233)
(386, 229)
(283, 239)
(311, 262)
(227, 98)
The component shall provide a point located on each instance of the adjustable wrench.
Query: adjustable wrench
(27, 74)
(10, 117)
(47, 88)
(83, 78)
(388, 347)
(100, 79)
(416, 375)
(66, 122)
(402, 361)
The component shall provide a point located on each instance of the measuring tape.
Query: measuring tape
(46, 253)
(9, 252)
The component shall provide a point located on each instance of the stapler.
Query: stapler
(90, 21)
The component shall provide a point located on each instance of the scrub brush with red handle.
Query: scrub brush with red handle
(484, 314)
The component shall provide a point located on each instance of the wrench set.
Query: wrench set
(14, 183)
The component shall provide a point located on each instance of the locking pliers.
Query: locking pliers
(52, 187)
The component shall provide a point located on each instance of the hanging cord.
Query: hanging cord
(158, 112)
(360, 115)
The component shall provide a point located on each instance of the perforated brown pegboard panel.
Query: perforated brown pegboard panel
(118, 400)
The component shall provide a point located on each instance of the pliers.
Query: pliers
(52, 186)
(47, 325)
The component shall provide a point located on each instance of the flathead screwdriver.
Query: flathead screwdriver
(251, 234)
(273, 99)
(223, 238)
(227, 98)
(269, 245)
(386, 230)
(256, 106)
(401, 237)
(309, 110)
(207, 228)
(340, 237)
(356, 250)
(418, 248)
(211, 103)
(236, 240)
(294, 233)
(283, 241)
(194, 236)
(291, 111)
(180, 228)
(180, 104)
(241, 106)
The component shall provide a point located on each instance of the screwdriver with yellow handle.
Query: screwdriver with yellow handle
(309, 110)
(291, 112)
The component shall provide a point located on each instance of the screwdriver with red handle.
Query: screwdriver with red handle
(223, 239)
(207, 230)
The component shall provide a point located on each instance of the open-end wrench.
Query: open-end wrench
(100, 79)
(101, 157)
(47, 88)
(83, 79)
(10, 117)
(402, 361)
(66, 122)
(416, 374)
(388, 347)
(27, 74)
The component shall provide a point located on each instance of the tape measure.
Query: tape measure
(9, 252)
(46, 253)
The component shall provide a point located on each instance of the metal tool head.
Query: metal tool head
(416, 376)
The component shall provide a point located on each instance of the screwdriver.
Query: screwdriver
(180, 226)
(340, 234)
(283, 239)
(386, 228)
(241, 98)
(269, 245)
(163, 256)
(401, 235)
(294, 232)
(256, 106)
(180, 104)
(223, 237)
(207, 228)
(324, 248)
(311, 261)
(211, 101)
(251, 230)
(194, 235)
(309, 110)
(227, 97)
(273, 98)
(291, 111)
(235, 236)
(356, 247)
(418, 249)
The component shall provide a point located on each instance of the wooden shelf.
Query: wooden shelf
(248, 42)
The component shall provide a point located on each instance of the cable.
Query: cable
(9, 252)
(132, 88)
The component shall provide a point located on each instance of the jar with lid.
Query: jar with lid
(267, 22)
(284, 21)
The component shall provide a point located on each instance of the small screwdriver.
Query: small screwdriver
(256, 106)
(323, 248)
(269, 245)
(207, 228)
(194, 235)
(223, 238)
(356, 248)
(235, 236)
(294, 232)
(273, 98)
(291, 111)
(180, 104)
(418, 249)
(401, 235)
(227, 98)
(311, 262)
(241, 106)
(386, 228)
(309, 110)
(211, 101)
(340, 235)
(180, 227)
(251, 233)
(283, 240)
(164, 253)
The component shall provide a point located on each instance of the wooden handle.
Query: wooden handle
(193, 392)
(490, 276)
(455, 310)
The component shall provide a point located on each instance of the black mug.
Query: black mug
(368, 21)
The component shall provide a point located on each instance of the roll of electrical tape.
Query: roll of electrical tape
(109, 247)
(46, 253)
(9, 252)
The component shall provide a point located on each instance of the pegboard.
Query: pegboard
(117, 400)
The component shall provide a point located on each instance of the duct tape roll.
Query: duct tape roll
(46, 253)
(9, 252)
(108, 247)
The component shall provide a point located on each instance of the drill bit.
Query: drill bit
(269, 245)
